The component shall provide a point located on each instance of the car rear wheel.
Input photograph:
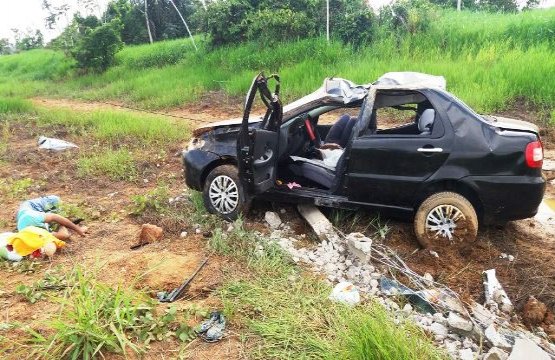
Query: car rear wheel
(444, 219)
(223, 193)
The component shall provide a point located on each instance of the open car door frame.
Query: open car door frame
(258, 147)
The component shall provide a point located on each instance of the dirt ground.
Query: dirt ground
(164, 265)
(156, 267)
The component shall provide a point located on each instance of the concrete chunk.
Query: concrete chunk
(318, 222)
(496, 354)
(272, 219)
(525, 349)
(360, 246)
(458, 323)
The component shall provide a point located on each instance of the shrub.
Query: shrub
(98, 47)
(408, 16)
(270, 26)
(226, 21)
(357, 27)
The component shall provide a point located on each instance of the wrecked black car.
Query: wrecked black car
(401, 145)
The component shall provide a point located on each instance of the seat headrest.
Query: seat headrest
(426, 120)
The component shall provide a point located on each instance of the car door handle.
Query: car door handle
(430, 150)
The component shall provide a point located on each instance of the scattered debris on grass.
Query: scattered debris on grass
(353, 259)
(46, 143)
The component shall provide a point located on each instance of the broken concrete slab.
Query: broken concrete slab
(496, 354)
(272, 219)
(482, 315)
(496, 339)
(525, 349)
(459, 324)
(360, 246)
(318, 222)
(495, 292)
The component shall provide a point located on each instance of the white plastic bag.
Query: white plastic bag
(345, 293)
(55, 144)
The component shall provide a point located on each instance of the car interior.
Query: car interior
(312, 154)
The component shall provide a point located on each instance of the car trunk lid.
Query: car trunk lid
(511, 124)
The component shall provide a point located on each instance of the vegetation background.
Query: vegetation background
(494, 57)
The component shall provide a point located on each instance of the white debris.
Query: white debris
(346, 293)
(46, 143)
(428, 279)
(183, 234)
(466, 354)
(407, 309)
(511, 258)
(434, 254)
(482, 315)
(360, 246)
(458, 323)
(496, 339)
(496, 354)
(438, 329)
(525, 349)
(318, 222)
(494, 291)
(272, 219)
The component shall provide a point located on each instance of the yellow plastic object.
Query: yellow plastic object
(31, 239)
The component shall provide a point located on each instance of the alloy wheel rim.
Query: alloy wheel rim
(224, 194)
(444, 221)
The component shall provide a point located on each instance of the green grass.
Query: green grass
(489, 60)
(117, 126)
(14, 106)
(114, 164)
(289, 316)
(292, 318)
(96, 319)
(114, 126)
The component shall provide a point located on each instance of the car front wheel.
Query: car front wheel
(223, 193)
(444, 219)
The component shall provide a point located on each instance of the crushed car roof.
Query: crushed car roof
(337, 91)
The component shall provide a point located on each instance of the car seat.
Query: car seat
(426, 121)
(316, 170)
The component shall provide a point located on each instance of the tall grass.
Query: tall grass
(115, 164)
(115, 126)
(489, 60)
(15, 106)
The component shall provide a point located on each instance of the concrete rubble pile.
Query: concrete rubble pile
(465, 331)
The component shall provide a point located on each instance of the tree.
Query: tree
(28, 40)
(97, 48)
(5, 47)
(498, 5)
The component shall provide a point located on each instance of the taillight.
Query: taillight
(534, 154)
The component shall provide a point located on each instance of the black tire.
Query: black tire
(225, 207)
(444, 219)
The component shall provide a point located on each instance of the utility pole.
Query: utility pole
(184, 23)
(147, 23)
(328, 20)
(459, 5)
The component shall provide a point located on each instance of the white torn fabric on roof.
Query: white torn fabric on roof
(46, 143)
(408, 78)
